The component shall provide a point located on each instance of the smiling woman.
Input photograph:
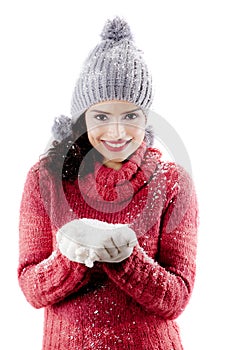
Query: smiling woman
(116, 129)
(107, 228)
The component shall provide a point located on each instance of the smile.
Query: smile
(116, 146)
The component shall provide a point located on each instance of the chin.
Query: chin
(115, 160)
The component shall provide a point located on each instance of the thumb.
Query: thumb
(125, 237)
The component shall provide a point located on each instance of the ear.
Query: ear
(149, 136)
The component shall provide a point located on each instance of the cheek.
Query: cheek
(137, 132)
(92, 130)
(92, 137)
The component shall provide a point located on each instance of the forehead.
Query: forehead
(114, 107)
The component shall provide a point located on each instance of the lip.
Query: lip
(116, 146)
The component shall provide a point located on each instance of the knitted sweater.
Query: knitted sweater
(128, 305)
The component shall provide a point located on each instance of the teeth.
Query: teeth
(115, 145)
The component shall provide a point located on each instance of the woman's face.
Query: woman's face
(115, 129)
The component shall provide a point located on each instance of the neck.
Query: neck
(113, 165)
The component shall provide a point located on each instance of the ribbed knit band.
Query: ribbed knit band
(114, 70)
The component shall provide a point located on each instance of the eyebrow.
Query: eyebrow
(108, 113)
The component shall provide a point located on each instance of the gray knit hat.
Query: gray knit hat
(114, 70)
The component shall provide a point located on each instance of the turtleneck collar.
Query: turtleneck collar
(117, 186)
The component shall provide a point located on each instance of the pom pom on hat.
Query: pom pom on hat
(116, 30)
(62, 127)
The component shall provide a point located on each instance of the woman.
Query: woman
(107, 228)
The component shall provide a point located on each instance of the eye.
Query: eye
(101, 117)
(131, 116)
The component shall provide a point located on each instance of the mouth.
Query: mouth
(116, 146)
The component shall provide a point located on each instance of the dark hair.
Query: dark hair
(75, 156)
(66, 158)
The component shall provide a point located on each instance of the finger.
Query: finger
(123, 255)
(103, 254)
(89, 262)
(113, 252)
(81, 252)
(125, 237)
(71, 252)
(132, 243)
(119, 240)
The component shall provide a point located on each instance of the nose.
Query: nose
(116, 131)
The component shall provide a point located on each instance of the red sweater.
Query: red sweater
(128, 305)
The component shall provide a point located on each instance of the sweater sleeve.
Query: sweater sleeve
(163, 285)
(45, 275)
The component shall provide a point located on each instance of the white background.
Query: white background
(188, 45)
